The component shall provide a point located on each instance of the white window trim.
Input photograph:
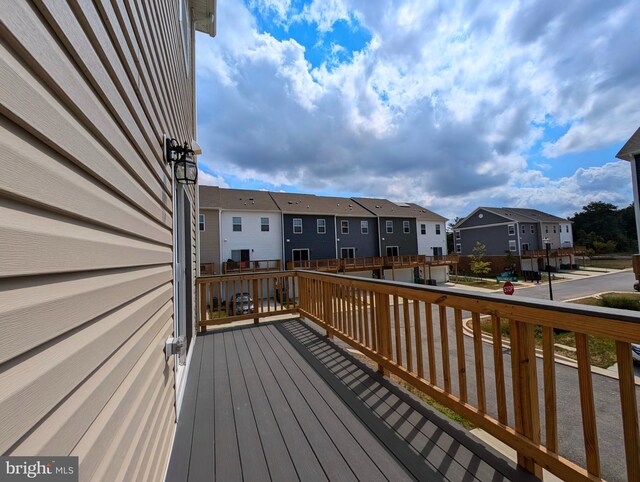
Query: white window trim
(262, 225)
(294, 225)
(512, 245)
(423, 229)
(457, 234)
(342, 226)
(388, 224)
(458, 248)
(406, 227)
(300, 249)
(202, 223)
(438, 229)
(234, 224)
(322, 226)
(397, 249)
(364, 227)
(509, 228)
(353, 249)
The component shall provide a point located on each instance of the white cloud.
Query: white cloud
(206, 179)
(442, 106)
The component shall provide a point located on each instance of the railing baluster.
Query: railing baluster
(462, 364)
(498, 367)
(418, 337)
(431, 344)
(525, 388)
(444, 343)
(365, 312)
(354, 314)
(374, 321)
(550, 403)
(587, 405)
(407, 334)
(629, 409)
(479, 361)
(396, 329)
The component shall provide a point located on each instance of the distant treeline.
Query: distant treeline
(604, 228)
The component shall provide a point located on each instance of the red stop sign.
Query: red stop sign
(508, 288)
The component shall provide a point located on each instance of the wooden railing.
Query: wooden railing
(416, 333)
(271, 293)
(372, 262)
(555, 253)
(229, 267)
(207, 269)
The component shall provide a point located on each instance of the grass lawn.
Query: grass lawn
(487, 283)
(613, 263)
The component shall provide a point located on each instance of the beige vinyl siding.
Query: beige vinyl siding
(87, 90)
(210, 238)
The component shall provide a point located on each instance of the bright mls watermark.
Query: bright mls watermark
(53, 469)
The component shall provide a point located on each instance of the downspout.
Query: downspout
(335, 233)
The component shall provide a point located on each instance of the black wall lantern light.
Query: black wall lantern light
(185, 168)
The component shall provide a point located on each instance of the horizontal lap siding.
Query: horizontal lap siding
(87, 90)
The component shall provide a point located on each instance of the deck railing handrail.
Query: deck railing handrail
(402, 327)
(250, 266)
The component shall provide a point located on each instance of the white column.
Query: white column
(636, 197)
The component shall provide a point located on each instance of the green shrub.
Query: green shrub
(621, 302)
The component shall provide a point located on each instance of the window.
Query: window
(457, 234)
(546, 229)
(406, 227)
(525, 246)
(533, 229)
(237, 223)
(201, 222)
(344, 226)
(523, 229)
(393, 251)
(423, 229)
(264, 224)
(512, 245)
(322, 226)
(240, 255)
(297, 225)
(511, 228)
(555, 229)
(437, 229)
(437, 250)
(364, 227)
(300, 254)
(347, 253)
(458, 248)
(566, 228)
(389, 225)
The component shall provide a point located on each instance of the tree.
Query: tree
(450, 242)
(604, 228)
(478, 266)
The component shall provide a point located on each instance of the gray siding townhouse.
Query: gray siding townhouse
(356, 228)
(209, 229)
(396, 226)
(98, 258)
(510, 229)
(308, 227)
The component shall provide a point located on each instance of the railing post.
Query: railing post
(525, 388)
(256, 300)
(328, 308)
(383, 328)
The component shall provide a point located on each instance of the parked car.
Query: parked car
(636, 286)
(240, 304)
(635, 352)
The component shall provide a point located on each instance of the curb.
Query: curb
(557, 358)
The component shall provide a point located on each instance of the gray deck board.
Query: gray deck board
(277, 401)
(202, 442)
(275, 450)
(304, 459)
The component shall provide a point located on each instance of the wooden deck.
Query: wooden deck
(278, 401)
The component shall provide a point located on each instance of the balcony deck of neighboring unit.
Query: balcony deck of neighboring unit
(345, 265)
(278, 401)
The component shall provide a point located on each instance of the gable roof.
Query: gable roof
(246, 200)
(209, 196)
(516, 215)
(386, 208)
(296, 203)
(630, 148)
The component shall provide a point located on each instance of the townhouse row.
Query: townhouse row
(245, 226)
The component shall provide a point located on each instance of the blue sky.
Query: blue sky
(452, 105)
